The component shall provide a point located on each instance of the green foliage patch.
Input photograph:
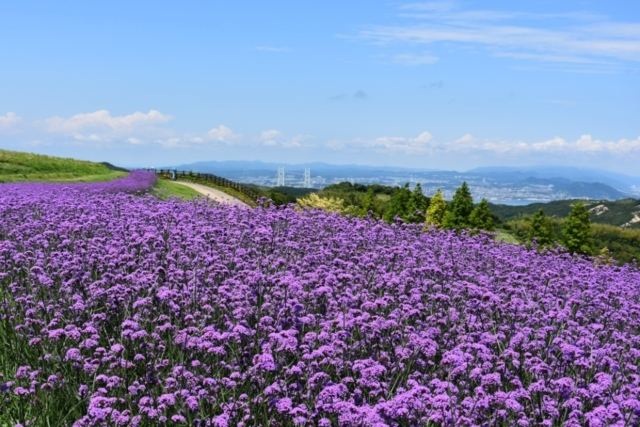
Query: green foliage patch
(165, 189)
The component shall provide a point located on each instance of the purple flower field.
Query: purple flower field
(135, 181)
(120, 309)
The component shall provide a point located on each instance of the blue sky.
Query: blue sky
(444, 85)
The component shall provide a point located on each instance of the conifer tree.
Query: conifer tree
(417, 205)
(481, 217)
(604, 258)
(398, 204)
(541, 229)
(368, 203)
(577, 230)
(437, 210)
(459, 209)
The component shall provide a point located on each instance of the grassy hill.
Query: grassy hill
(619, 213)
(19, 166)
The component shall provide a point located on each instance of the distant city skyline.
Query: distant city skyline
(440, 85)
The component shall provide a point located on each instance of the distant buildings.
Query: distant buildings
(481, 187)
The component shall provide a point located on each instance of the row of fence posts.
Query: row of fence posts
(217, 180)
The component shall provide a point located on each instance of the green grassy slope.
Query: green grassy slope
(18, 166)
(165, 188)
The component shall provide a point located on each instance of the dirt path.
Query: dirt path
(213, 193)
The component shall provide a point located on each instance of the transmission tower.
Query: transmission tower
(280, 177)
(307, 178)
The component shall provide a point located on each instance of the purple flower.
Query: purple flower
(167, 399)
(21, 391)
(284, 405)
(177, 418)
(73, 354)
(192, 403)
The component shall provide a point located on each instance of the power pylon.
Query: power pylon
(280, 177)
(307, 178)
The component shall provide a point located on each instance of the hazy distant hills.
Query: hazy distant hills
(616, 180)
(592, 190)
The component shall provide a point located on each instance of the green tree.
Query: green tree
(460, 208)
(369, 201)
(577, 230)
(398, 204)
(437, 210)
(331, 204)
(481, 217)
(417, 205)
(279, 198)
(541, 229)
(604, 258)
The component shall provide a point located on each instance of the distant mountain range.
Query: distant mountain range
(238, 167)
(616, 180)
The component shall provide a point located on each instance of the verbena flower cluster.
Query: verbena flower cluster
(125, 310)
(135, 181)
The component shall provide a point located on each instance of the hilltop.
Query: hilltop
(18, 166)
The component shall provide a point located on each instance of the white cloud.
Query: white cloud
(297, 141)
(9, 120)
(550, 57)
(551, 145)
(465, 138)
(270, 134)
(171, 142)
(275, 138)
(623, 146)
(574, 37)
(224, 134)
(425, 144)
(270, 137)
(419, 144)
(411, 59)
(586, 144)
(101, 126)
(104, 119)
(335, 144)
(423, 138)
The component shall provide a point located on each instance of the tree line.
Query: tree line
(404, 204)
(576, 233)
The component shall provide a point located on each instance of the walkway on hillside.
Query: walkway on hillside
(213, 193)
